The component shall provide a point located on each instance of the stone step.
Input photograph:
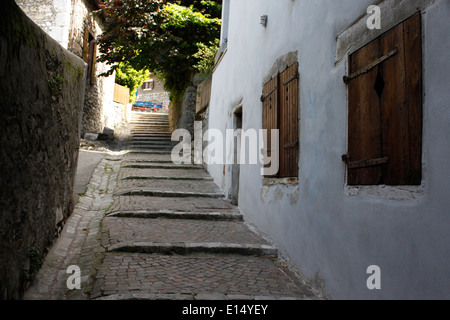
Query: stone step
(168, 165)
(168, 185)
(153, 134)
(146, 159)
(167, 194)
(188, 248)
(150, 147)
(164, 143)
(152, 277)
(230, 215)
(149, 152)
(167, 236)
(163, 172)
(138, 157)
(151, 137)
(175, 204)
(169, 178)
(166, 138)
(148, 115)
(154, 142)
(148, 120)
(150, 126)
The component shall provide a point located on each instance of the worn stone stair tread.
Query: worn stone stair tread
(196, 277)
(171, 232)
(139, 177)
(161, 165)
(143, 151)
(145, 160)
(185, 204)
(152, 134)
(165, 147)
(163, 172)
(135, 157)
(152, 148)
(172, 194)
(153, 142)
(188, 248)
(152, 139)
(229, 215)
(147, 296)
(178, 185)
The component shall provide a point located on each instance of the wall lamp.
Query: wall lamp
(264, 19)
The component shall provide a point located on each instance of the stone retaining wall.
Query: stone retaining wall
(42, 94)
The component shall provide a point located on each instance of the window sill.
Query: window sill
(280, 181)
(386, 192)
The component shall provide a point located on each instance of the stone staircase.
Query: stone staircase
(171, 234)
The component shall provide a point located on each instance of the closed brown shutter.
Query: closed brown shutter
(289, 135)
(93, 60)
(85, 45)
(385, 109)
(271, 112)
(364, 135)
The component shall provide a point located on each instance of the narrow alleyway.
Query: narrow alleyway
(149, 229)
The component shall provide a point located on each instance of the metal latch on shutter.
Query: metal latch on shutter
(294, 77)
(292, 145)
(370, 66)
(264, 97)
(364, 163)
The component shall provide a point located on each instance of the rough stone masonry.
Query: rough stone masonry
(42, 92)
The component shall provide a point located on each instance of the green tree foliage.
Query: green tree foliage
(207, 56)
(159, 35)
(129, 77)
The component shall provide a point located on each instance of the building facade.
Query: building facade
(73, 24)
(152, 91)
(358, 92)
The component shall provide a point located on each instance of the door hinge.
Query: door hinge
(364, 163)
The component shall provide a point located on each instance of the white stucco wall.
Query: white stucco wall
(326, 231)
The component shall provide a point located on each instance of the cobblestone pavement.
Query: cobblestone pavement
(149, 229)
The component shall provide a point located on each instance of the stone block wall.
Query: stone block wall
(53, 16)
(66, 22)
(98, 108)
(187, 113)
(162, 97)
(42, 94)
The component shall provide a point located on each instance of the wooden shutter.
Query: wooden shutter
(364, 118)
(289, 135)
(85, 53)
(93, 60)
(385, 109)
(270, 110)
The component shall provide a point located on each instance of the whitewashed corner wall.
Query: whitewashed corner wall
(331, 235)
